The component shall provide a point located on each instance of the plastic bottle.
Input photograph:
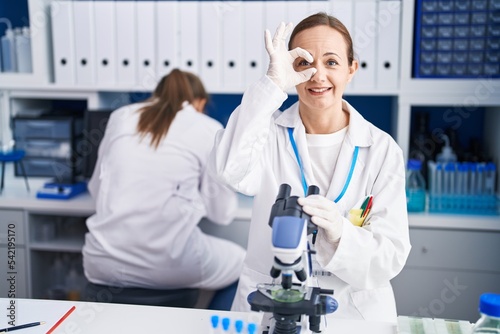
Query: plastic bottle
(489, 308)
(73, 285)
(447, 154)
(415, 186)
(57, 274)
(9, 58)
(23, 50)
(422, 145)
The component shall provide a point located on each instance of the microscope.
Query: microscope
(291, 304)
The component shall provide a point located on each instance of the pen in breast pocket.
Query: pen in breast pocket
(366, 206)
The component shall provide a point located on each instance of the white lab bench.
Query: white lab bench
(120, 318)
(454, 258)
(30, 219)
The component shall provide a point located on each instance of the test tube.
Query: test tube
(460, 178)
(480, 179)
(432, 186)
(449, 178)
(449, 185)
(473, 178)
(490, 178)
(466, 166)
(439, 185)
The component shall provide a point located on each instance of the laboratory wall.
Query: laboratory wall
(221, 104)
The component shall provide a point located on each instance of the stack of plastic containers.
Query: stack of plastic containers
(457, 39)
(462, 187)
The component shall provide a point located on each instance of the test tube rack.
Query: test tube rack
(463, 188)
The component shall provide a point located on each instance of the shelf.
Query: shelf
(450, 221)
(19, 88)
(73, 245)
(483, 91)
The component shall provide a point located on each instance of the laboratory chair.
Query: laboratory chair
(15, 156)
(185, 298)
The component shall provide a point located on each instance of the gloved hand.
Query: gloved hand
(281, 69)
(325, 214)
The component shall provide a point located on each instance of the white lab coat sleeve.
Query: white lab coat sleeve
(95, 180)
(369, 257)
(221, 202)
(237, 157)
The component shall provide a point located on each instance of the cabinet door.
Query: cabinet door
(446, 272)
(454, 249)
(13, 280)
(11, 223)
(448, 294)
(13, 277)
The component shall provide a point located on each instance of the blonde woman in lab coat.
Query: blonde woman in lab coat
(339, 151)
(152, 188)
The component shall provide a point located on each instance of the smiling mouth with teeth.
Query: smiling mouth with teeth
(319, 90)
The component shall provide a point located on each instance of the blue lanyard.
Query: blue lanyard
(301, 167)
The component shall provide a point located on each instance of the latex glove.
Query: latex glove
(281, 69)
(325, 214)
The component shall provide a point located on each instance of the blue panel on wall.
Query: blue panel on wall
(220, 106)
(138, 96)
(16, 12)
(376, 109)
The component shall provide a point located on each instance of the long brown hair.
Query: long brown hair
(199, 91)
(323, 19)
(168, 96)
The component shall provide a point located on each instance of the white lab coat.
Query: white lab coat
(148, 205)
(254, 155)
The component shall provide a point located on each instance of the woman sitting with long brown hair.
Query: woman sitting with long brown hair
(152, 188)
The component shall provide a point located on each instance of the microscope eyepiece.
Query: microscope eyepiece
(312, 190)
(284, 192)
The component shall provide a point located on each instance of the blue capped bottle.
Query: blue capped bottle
(415, 186)
(489, 307)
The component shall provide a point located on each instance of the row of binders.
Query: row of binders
(132, 44)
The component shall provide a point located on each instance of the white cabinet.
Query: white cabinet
(40, 239)
(13, 255)
(447, 271)
(55, 237)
